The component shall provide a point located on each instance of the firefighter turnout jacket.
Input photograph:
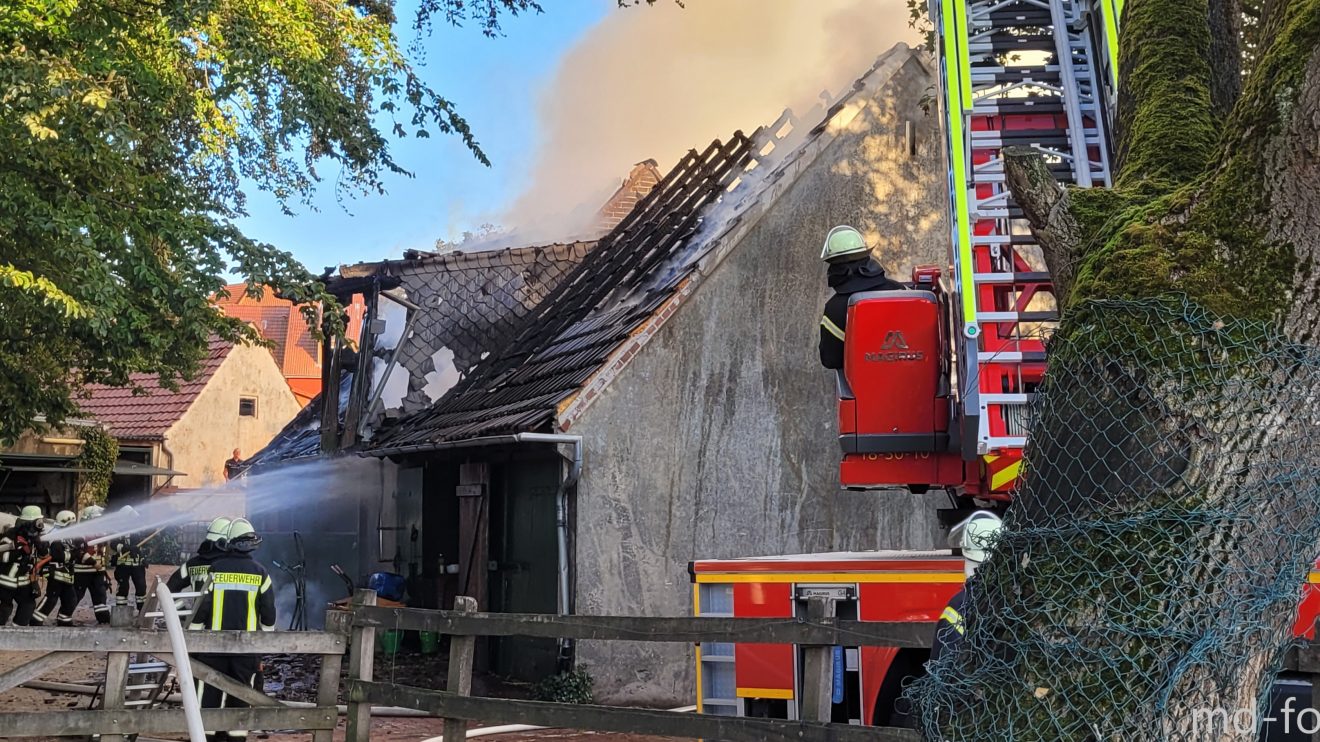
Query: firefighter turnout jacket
(60, 565)
(239, 597)
(191, 576)
(127, 554)
(88, 559)
(19, 558)
(950, 630)
(847, 279)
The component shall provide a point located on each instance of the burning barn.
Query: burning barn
(645, 399)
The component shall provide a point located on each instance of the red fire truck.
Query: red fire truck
(970, 342)
(763, 680)
(966, 343)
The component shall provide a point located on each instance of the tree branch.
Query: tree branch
(1166, 129)
(1047, 207)
(1225, 18)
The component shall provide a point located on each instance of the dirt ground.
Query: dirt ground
(294, 678)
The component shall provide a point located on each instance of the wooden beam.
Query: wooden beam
(104, 639)
(36, 668)
(818, 666)
(122, 721)
(116, 670)
(684, 630)
(461, 651)
(327, 691)
(327, 684)
(474, 531)
(361, 665)
(213, 677)
(607, 719)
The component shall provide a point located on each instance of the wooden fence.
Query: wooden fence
(818, 633)
(58, 646)
(353, 633)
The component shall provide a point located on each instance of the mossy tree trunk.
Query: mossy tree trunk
(1172, 502)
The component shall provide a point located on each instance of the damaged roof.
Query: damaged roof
(149, 413)
(471, 305)
(633, 272)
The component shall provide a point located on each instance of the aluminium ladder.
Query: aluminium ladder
(1037, 73)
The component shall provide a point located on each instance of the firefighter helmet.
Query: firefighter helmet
(29, 514)
(241, 536)
(218, 529)
(91, 512)
(65, 518)
(842, 244)
(976, 536)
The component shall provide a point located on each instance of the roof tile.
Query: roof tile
(149, 414)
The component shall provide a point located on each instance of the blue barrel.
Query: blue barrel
(388, 585)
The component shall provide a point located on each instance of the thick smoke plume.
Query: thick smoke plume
(654, 82)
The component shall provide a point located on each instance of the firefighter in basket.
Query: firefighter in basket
(852, 270)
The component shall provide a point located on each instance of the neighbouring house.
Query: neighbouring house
(282, 323)
(42, 468)
(661, 402)
(237, 400)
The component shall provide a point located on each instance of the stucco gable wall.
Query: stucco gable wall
(719, 439)
(211, 429)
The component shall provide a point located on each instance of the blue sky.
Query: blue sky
(494, 83)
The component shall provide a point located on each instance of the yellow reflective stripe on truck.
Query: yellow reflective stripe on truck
(954, 100)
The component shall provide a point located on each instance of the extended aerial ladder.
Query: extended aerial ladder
(1037, 73)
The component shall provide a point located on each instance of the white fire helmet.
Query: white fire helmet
(65, 518)
(976, 536)
(218, 529)
(29, 513)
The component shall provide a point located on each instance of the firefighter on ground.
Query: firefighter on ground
(21, 548)
(58, 571)
(130, 567)
(89, 564)
(239, 597)
(192, 575)
(976, 537)
(852, 270)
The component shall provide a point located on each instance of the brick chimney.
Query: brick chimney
(641, 179)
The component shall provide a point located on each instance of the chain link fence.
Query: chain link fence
(1147, 580)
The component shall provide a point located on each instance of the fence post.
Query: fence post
(817, 666)
(116, 669)
(461, 649)
(361, 662)
(327, 684)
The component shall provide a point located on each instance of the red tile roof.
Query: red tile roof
(281, 322)
(148, 416)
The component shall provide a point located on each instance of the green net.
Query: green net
(1147, 580)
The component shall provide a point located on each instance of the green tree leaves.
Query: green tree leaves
(128, 129)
